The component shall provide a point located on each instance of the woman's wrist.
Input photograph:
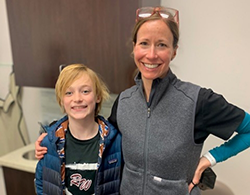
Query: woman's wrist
(210, 158)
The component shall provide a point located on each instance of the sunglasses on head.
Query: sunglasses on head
(62, 66)
(164, 12)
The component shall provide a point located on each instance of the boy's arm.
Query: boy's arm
(39, 177)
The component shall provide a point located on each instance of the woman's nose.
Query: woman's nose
(152, 53)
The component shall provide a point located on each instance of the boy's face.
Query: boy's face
(79, 100)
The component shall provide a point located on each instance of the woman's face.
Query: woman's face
(154, 50)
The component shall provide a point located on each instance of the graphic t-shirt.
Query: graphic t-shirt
(81, 158)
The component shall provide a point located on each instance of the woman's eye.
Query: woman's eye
(162, 45)
(143, 43)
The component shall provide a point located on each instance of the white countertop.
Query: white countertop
(15, 159)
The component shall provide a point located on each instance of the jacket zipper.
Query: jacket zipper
(146, 153)
(149, 112)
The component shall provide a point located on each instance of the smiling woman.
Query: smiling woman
(153, 51)
(155, 44)
(167, 120)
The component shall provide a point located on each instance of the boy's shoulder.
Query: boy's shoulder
(112, 130)
(55, 123)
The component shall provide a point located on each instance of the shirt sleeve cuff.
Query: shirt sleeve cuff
(210, 158)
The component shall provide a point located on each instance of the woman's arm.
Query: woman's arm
(39, 150)
(203, 164)
(237, 144)
(112, 118)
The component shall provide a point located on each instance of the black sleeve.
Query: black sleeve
(112, 117)
(214, 115)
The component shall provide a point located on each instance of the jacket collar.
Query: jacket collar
(159, 86)
(169, 77)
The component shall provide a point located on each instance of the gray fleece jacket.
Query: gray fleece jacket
(158, 137)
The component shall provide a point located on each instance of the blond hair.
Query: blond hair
(172, 25)
(71, 73)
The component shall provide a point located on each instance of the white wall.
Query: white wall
(5, 67)
(5, 52)
(214, 52)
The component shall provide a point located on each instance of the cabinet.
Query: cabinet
(45, 34)
(18, 182)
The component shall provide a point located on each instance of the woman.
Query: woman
(165, 121)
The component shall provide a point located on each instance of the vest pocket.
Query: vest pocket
(157, 185)
(131, 182)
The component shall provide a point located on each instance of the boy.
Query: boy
(84, 150)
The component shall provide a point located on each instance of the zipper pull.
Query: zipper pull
(148, 112)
